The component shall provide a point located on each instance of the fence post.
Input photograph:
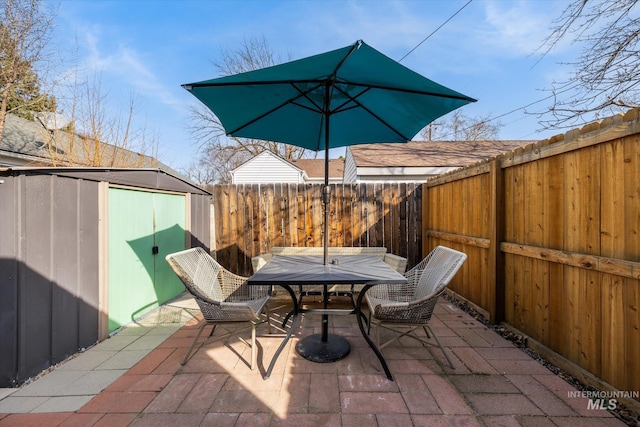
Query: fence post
(425, 221)
(496, 236)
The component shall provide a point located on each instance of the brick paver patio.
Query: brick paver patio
(494, 383)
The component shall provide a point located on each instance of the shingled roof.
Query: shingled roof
(315, 167)
(27, 142)
(430, 153)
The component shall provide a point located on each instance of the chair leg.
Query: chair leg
(186, 357)
(410, 333)
(266, 309)
(254, 350)
(212, 331)
(426, 331)
(441, 347)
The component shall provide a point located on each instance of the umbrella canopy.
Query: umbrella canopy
(354, 95)
(348, 96)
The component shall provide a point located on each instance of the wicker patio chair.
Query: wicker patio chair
(223, 297)
(404, 308)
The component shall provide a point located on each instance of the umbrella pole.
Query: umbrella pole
(326, 190)
(326, 199)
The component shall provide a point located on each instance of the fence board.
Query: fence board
(251, 218)
(554, 207)
(240, 228)
(632, 252)
(613, 329)
(518, 271)
(631, 345)
(233, 225)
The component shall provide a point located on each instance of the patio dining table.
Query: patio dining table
(310, 270)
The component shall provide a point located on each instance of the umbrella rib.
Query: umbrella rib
(354, 100)
(305, 94)
(251, 83)
(414, 91)
(266, 113)
(350, 99)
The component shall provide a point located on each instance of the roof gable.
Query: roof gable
(265, 156)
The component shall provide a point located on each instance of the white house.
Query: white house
(267, 167)
(417, 160)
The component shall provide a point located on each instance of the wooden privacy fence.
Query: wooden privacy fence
(249, 219)
(552, 231)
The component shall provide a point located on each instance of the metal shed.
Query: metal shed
(82, 253)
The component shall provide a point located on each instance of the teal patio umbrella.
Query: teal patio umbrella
(354, 95)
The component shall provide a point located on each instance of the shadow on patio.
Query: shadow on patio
(494, 383)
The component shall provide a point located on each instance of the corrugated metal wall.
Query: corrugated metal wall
(48, 272)
(50, 261)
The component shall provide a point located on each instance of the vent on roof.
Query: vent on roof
(52, 121)
(44, 146)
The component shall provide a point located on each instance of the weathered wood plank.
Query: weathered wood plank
(495, 272)
(240, 234)
(632, 252)
(461, 239)
(233, 228)
(555, 234)
(614, 366)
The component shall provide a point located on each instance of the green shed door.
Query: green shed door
(143, 228)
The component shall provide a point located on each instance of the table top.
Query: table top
(310, 270)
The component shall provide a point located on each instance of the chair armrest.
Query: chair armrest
(392, 304)
(396, 262)
(257, 262)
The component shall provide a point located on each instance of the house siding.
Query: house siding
(266, 168)
(350, 169)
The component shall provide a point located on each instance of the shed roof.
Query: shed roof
(151, 178)
(430, 153)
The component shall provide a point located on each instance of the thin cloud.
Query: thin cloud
(516, 28)
(127, 65)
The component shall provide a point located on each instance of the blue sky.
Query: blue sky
(150, 48)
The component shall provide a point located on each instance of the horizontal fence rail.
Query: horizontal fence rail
(250, 219)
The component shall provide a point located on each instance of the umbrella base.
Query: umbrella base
(312, 348)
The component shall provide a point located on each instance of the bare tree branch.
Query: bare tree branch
(459, 127)
(606, 76)
(224, 153)
(24, 34)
